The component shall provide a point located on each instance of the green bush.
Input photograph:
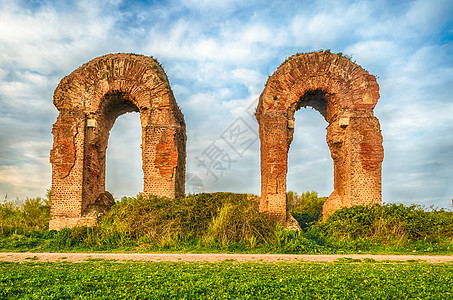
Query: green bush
(306, 208)
(32, 214)
(232, 222)
(390, 224)
(210, 219)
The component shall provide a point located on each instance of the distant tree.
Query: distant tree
(305, 208)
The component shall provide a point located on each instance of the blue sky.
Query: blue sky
(218, 56)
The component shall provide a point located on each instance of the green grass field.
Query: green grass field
(345, 279)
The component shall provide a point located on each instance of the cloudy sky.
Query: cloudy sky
(218, 56)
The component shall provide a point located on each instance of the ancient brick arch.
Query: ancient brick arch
(89, 100)
(345, 94)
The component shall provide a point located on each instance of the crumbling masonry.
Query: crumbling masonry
(345, 94)
(89, 100)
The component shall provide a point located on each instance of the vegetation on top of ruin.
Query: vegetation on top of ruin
(231, 222)
(325, 51)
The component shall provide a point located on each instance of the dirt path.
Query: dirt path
(207, 257)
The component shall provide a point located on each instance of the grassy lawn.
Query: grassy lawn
(346, 278)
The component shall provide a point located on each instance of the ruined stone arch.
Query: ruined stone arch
(345, 94)
(89, 100)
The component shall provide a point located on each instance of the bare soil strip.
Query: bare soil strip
(208, 257)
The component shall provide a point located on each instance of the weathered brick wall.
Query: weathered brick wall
(89, 101)
(345, 94)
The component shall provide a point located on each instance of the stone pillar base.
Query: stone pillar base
(333, 203)
(291, 223)
(59, 223)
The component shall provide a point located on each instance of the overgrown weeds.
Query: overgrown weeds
(209, 219)
(231, 222)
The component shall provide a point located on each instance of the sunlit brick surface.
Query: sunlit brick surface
(345, 94)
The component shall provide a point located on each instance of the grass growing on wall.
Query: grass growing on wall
(227, 222)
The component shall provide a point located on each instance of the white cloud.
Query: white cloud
(401, 123)
(377, 53)
(253, 79)
(44, 39)
(415, 21)
(426, 16)
(310, 166)
(124, 174)
(329, 24)
(188, 41)
(25, 180)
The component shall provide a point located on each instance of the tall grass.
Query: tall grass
(223, 221)
(218, 218)
(231, 222)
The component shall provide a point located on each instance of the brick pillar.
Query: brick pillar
(357, 152)
(274, 158)
(163, 166)
(367, 155)
(67, 158)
